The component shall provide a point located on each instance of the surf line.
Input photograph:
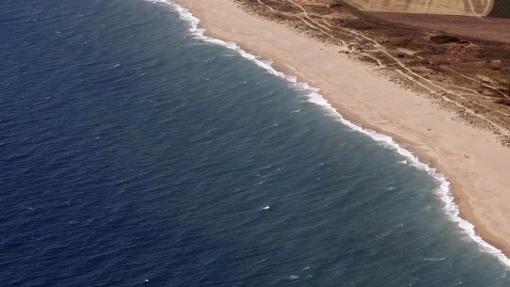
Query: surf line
(443, 191)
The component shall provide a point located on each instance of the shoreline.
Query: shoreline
(366, 105)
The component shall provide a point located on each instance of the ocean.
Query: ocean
(135, 151)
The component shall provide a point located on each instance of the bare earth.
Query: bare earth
(445, 7)
(473, 158)
(491, 29)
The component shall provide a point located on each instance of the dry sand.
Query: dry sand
(472, 159)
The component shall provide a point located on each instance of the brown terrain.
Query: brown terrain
(449, 7)
(486, 28)
(462, 63)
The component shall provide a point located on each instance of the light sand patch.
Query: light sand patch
(444, 7)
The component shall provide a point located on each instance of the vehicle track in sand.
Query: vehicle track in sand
(430, 86)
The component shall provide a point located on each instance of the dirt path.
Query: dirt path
(405, 71)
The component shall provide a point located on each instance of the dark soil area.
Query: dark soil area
(501, 9)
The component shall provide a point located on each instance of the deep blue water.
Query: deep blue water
(133, 154)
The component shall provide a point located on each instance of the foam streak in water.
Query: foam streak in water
(314, 97)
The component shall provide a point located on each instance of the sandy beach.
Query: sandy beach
(473, 159)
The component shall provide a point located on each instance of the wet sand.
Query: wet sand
(473, 159)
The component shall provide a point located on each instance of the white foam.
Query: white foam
(293, 277)
(444, 191)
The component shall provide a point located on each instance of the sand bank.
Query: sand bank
(473, 160)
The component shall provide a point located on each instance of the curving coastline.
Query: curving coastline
(324, 100)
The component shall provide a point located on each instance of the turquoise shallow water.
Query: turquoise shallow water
(134, 154)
